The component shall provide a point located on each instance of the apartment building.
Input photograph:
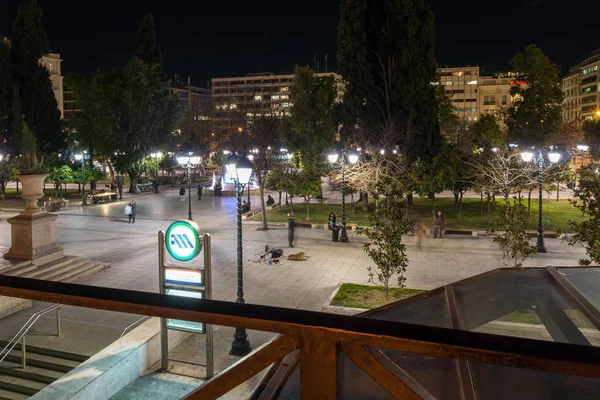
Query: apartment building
(580, 87)
(494, 94)
(238, 100)
(197, 121)
(460, 84)
(52, 63)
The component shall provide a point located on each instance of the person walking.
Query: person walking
(291, 227)
(331, 221)
(155, 186)
(199, 192)
(120, 189)
(132, 211)
(440, 223)
(182, 194)
(218, 188)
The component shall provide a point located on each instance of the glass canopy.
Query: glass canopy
(549, 304)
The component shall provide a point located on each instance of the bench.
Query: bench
(145, 187)
(52, 206)
(104, 197)
(453, 231)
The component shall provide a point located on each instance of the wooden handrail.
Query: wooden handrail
(318, 334)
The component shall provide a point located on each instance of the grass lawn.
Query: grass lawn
(555, 218)
(367, 297)
(530, 317)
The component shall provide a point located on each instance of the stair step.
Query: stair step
(64, 268)
(22, 270)
(15, 266)
(6, 395)
(27, 375)
(49, 352)
(19, 385)
(48, 268)
(87, 272)
(34, 370)
(75, 273)
(39, 363)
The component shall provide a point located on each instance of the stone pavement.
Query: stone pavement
(101, 232)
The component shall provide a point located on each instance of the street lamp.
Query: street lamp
(81, 157)
(240, 169)
(189, 161)
(333, 158)
(554, 157)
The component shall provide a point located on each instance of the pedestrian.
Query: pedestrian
(120, 189)
(113, 186)
(199, 192)
(439, 225)
(270, 200)
(130, 210)
(245, 207)
(291, 227)
(331, 222)
(419, 233)
(218, 187)
(182, 194)
(155, 186)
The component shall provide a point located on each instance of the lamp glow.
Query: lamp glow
(554, 157)
(494, 149)
(582, 147)
(78, 157)
(527, 156)
(231, 161)
(182, 160)
(332, 157)
(244, 170)
(195, 160)
(353, 158)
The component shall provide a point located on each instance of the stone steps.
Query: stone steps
(65, 269)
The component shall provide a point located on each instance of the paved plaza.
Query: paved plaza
(101, 232)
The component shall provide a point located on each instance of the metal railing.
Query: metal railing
(317, 337)
(134, 325)
(20, 335)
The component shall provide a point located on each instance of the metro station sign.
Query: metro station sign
(183, 240)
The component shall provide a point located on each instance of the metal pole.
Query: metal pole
(164, 339)
(210, 364)
(23, 353)
(344, 236)
(189, 168)
(83, 199)
(241, 345)
(58, 321)
(541, 248)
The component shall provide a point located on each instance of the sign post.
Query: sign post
(182, 241)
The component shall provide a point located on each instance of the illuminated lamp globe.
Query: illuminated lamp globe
(332, 157)
(78, 157)
(244, 169)
(554, 157)
(353, 158)
(230, 163)
(527, 156)
(182, 160)
(195, 160)
(582, 147)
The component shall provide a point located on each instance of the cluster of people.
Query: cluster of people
(117, 186)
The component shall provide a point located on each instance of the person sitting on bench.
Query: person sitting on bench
(270, 200)
(245, 207)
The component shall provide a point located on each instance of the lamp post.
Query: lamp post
(81, 157)
(188, 161)
(240, 169)
(528, 156)
(333, 158)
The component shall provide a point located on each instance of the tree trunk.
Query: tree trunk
(460, 205)
(279, 199)
(557, 191)
(133, 178)
(409, 200)
(455, 198)
(17, 181)
(353, 205)
(481, 203)
(307, 201)
(433, 204)
(529, 202)
(291, 204)
(489, 207)
(262, 206)
(365, 204)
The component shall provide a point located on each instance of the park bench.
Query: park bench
(145, 187)
(454, 231)
(104, 197)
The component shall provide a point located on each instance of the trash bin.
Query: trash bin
(335, 234)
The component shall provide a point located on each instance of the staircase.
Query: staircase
(66, 269)
(44, 366)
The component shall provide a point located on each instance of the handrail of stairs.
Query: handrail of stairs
(20, 335)
(135, 324)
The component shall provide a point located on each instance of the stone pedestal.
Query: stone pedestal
(33, 236)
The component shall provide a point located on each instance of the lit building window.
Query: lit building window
(284, 97)
(472, 83)
(285, 105)
(284, 89)
(232, 106)
(257, 98)
(275, 97)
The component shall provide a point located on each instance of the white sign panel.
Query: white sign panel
(183, 276)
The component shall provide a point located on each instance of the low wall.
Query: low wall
(112, 369)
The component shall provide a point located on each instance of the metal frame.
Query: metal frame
(206, 289)
(318, 336)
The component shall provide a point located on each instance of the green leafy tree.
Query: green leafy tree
(458, 174)
(305, 184)
(275, 181)
(513, 221)
(385, 54)
(60, 176)
(34, 94)
(5, 176)
(309, 130)
(487, 132)
(587, 200)
(386, 226)
(148, 50)
(536, 113)
(428, 179)
(449, 121)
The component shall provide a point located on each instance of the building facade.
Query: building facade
(494, 94)
(580, 88)
(238, 100)
(460, 84)
(52, 63)
(197, 120)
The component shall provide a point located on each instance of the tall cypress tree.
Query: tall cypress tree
(148, 50)
(35, 95)
(5, 82)
(386, 58)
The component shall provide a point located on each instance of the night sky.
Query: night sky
(210, 38)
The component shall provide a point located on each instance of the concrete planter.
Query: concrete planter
(33, 189)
